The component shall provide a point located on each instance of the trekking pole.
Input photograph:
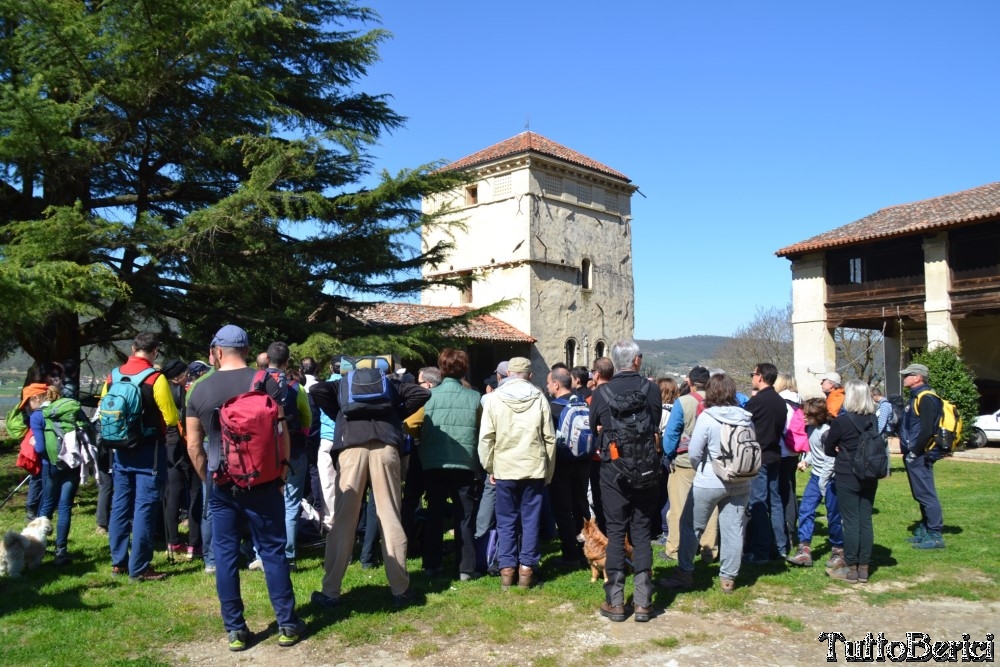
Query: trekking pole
(11, 495)
(166, 531)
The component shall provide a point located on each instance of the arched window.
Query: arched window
(600, 349)
(586, 274)
(571, 347)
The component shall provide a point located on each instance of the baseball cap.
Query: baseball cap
(231, 336)
(916, 369)
(831, 376)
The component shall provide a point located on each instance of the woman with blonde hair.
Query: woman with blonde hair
(855, 496)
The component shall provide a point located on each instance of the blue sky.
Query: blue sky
(747, 126)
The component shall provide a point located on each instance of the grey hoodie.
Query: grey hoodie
(705, 444)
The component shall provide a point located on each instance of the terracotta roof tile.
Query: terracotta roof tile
(929, 214)
(533, 142)
(482, 328)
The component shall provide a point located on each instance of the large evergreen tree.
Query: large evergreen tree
(179, 164)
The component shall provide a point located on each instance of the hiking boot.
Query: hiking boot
(727, 585)
(321, 599)
(932, 540)
(642, 614)
(802, 557)
(401, 600)
(836, 559)
(918, 535)
(848, 573)
(615, 612)
(862, 574)
(508, 576)
(256, 565)
(289, 635)
(62, 557)
(149, 574)
(525, 577)
(706, 555)
(238, 639)
(681, 580)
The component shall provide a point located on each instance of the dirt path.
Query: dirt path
(776, 634)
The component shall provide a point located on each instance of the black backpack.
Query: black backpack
(898, 404)
(871, 458)
(632, 445)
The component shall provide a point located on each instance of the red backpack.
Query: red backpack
(250, 444)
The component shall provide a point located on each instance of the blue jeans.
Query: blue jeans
(519, 512)
(486, 515)
(732, 516)
(135, 504)
(263, 510)
(59, 490)
(920, 473)
(295, 485)
(767, 514)
(206, 524)
(811, 497)
(35, 491)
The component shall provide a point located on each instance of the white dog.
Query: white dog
(24, 550)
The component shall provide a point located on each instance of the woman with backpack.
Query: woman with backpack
(57, 424)
(710, 491)
(855, 494)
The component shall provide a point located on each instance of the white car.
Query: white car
(985, 429)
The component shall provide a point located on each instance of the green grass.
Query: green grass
(113, 622)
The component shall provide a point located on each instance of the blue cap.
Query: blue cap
(231, 336)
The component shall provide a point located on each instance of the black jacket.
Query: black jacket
(411, 397)
(769, 412)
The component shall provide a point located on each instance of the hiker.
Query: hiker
(260, 507)
(855, 496)
(916, 433)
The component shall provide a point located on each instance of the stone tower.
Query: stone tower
(549, 229)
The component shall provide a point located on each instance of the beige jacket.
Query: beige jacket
(516, 437)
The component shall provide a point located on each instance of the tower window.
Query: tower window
(571, 352)
(472, 195)
(586, 274)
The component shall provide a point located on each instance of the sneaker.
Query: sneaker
(256, 565)
(102, 531)
(660, 540)
(932, 540)
(62, 557)
(193, 552)
(117, 571)
(289, 635)
(176, 549)
(663, 555)
(209, 569)
(918, 535)
(706, 555)
(468, 576)
(238, 639)
(149, 574)
(292, 567)
(750, 559)
(802, 557)
(401, 600)
(323, 600)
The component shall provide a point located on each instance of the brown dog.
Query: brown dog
(595, 546)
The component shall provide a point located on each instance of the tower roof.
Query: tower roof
(532, 142)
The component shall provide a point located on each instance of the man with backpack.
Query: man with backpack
(298, 418)
(916, 438)
(136, 408)
(625, 414)
(368, 405)
(243, 491)
(568, 490)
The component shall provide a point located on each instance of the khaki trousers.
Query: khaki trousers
(378, 462)
(679, 485)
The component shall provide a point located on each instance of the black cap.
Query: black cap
(173, 368)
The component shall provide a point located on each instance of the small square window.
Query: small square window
(472, 195)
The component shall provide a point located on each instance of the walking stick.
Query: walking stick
(11, 495)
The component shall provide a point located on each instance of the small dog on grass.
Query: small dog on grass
(24, 550)
(595, 546)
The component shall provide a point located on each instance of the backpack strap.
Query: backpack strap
(259, 381)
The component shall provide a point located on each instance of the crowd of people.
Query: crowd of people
(499, 453)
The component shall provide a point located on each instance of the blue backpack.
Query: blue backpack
(121, 411)
(574, 435)
(366, 393)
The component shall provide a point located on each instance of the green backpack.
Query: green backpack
(62, 416)
(15, 423)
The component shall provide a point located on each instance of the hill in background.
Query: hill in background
(678, 355)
